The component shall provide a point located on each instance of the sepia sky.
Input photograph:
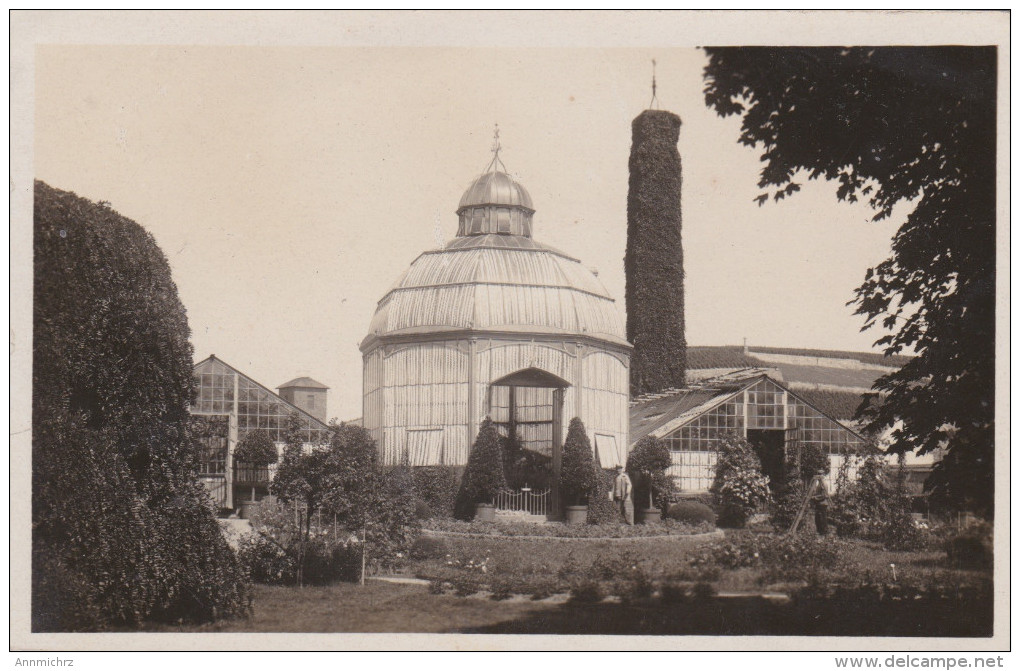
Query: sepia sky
(290, 187)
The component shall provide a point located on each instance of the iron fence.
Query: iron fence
(523, 500)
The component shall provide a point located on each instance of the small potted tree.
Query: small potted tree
(483, 477)
(646, 465)
(251, 466)
(577, 473)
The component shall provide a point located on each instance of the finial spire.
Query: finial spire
(654, 104)
(496, 161)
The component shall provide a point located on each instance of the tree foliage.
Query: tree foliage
(436, 490)
(257, 448)
(739, 487)
(647, 464)
(894, 125)
(341, 476)
(654, 260)
(601, 507)
(577, 471)
(345, 481)
(121, 529)
(524, 467)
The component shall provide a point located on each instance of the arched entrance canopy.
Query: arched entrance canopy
(528, 404)
(532, 377)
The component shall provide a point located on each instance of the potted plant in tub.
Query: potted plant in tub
(646, 465)
(483, 477)
(577, 473)
(251, 466)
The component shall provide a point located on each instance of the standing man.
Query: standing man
(820, 497)
(621, 494)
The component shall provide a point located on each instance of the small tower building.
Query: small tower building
(307, 394)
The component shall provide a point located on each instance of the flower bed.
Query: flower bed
(517, 529)
(676, 568)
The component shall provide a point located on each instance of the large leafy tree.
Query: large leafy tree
(893, 125)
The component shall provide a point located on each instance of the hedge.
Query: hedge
(122, 531)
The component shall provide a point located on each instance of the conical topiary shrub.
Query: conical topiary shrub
(577, 472)
(483, 477)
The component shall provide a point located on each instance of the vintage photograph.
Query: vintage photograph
(342, 337)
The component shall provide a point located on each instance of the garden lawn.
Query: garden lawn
(377, 607)
(380, 607)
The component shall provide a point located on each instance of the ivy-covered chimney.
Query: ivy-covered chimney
(654, 261)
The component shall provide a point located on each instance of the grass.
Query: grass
(378, 607)
(391, 608)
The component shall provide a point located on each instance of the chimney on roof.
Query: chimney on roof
(308, 395)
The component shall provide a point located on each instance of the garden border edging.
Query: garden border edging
(708, 535)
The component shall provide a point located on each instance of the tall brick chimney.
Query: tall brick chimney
(654, 261)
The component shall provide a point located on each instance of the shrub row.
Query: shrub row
(612, 530)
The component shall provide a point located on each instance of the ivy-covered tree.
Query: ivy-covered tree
(647, 464)
(894, 125)
(654, 260)
(577, 470)
(122, 531)
(483, 477)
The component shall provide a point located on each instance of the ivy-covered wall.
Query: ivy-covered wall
(654, 261)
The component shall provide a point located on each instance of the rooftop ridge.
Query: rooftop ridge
(719, 383)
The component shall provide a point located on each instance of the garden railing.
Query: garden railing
(523, 500)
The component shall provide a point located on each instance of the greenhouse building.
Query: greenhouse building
(495, 324)
(229, 405)
(746, 403)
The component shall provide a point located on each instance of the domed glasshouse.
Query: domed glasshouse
(495, 324)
